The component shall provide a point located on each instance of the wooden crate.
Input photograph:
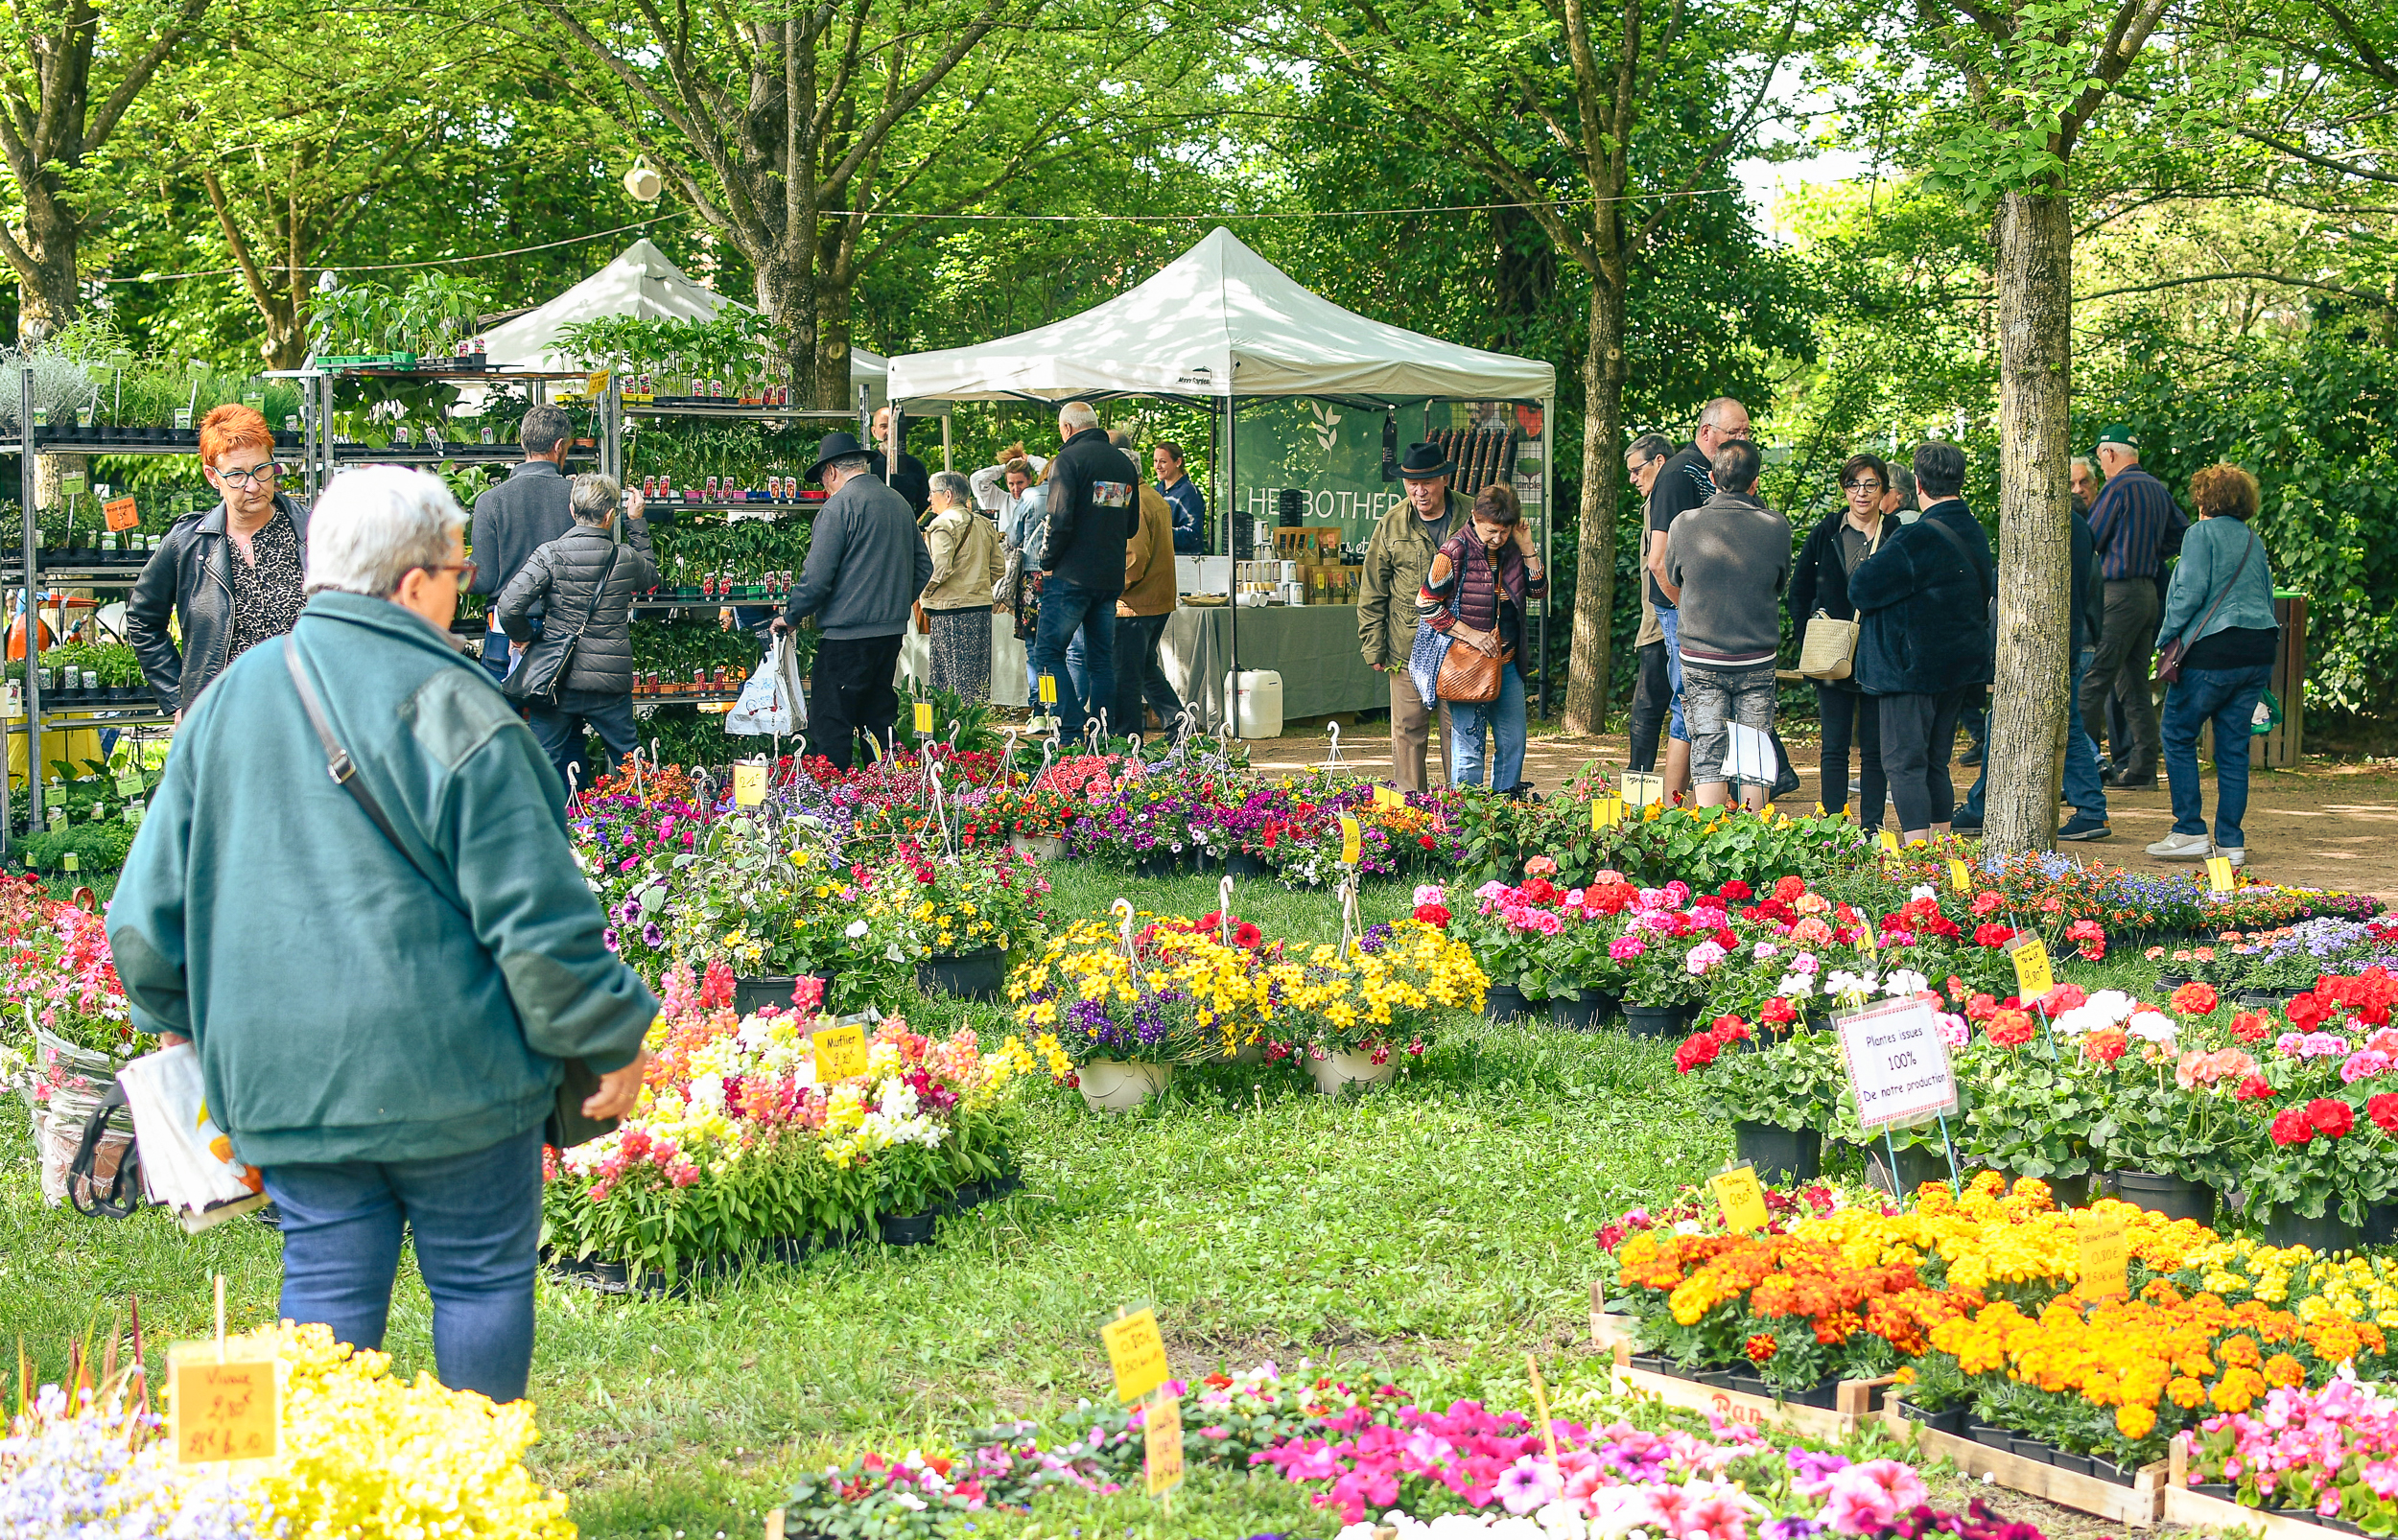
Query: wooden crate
(1857, 1399)
(2138, 1505)
(2204, 1511)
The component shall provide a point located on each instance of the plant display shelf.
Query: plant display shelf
(77, 718)
(2191, 1509)
(712, 697)
(77, 441)
(807, 504)
(735, 411)
(1855, 1402)
(86, 575)
(2139, 1505)
(447, 454)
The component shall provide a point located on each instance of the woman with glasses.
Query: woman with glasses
(231, 575)
(1819, 585)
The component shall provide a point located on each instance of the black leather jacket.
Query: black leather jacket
(190, 576)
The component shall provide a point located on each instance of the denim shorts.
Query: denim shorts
(1717, 699)
(1667, 621)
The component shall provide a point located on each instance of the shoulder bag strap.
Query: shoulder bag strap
(2234, 581)
(600, 589)
(1963, 549)
(344, 771)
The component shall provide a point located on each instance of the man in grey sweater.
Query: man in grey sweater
(1730, 556)
(866, 563)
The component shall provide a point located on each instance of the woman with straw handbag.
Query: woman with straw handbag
(1827, 627)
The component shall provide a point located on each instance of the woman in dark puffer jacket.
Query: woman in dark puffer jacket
(598, 690)
(1820, 582)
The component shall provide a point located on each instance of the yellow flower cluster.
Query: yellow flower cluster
(1996, 1236)
(2319, 1287)
(368, 1457)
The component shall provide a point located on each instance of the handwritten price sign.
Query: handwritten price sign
(1137, 1353)
(1743, 1199)
(840, 1053)
(231, 1410)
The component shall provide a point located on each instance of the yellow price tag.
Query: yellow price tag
(923, 719)
(231, 1410)
(595, 384)
(1742, 1198)
(2218, 877)
(1868, 934)
(1137, 1353)
(1388, 796)
(840, 1053)
(1048, 689)
(1959, 876)
(1162, 1440)
(1888, 840)
(749, 785)
(2106, 1260)
(1607, 812)
(1643, 790)
(2033, 978)
(1352, 841)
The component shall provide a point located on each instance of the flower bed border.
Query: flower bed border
(2140, 1504)
(1855, 1402)
(2185, 1504)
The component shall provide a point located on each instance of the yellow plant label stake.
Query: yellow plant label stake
(1137, 1353)
(1742, 1197)
(2106, 1261)
(840, 1053)
(1162, 1439)
(1959, 876)
(1048, 689)
(1643, 790)
(228, 1410)
(2218, 877)
(1388, 796)
(749, 785)
(923, 719)
(2033, 978)
(1607, 812)
(1352, 841)
(1889, 841)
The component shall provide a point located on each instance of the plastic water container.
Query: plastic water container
(1258, 696)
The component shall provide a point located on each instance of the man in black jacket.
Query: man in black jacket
(904, 473)
(566, 575)
(1095, 509)
(517, 518)
(1924, 642)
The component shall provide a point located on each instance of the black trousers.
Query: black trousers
(1652, 700)
(1918, 739)
(559, 729)
(1851, 717)
(1139, 678)
(849, 693)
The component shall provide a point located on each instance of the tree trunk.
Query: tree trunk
(47, 288)
(787, 291)
(1591, 659)
(2036, 528)
(834, 385)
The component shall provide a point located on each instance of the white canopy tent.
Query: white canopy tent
(642, 281)
(1217, 324)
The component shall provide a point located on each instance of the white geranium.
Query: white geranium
(1902, 983)
(2151, 1026)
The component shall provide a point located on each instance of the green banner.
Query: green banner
(1334, 454)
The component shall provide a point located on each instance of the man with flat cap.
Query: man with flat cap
(867, 564)
(1399, 554)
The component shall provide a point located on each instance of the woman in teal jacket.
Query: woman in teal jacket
(2221, 609)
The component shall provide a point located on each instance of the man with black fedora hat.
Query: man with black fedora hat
(867, 564)
(1397, 559)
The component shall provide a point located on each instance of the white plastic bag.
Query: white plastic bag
(188, 1162)
(771, 703)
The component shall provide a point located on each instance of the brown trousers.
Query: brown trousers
(1411, 723)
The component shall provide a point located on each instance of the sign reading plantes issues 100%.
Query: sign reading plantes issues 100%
(1897, 1063)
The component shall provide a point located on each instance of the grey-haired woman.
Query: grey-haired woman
(956, 606)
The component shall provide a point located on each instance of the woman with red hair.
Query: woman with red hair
(233, 576)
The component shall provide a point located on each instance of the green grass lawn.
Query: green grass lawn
(1432, 1232)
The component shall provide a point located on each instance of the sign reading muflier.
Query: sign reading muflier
(1897, 1063)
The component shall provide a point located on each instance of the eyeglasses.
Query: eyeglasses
(1861, 486)
(465, 570)
(252, 477)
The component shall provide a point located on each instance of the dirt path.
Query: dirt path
(2321, 824)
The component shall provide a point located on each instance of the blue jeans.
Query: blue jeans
(1671, 621)
(1505, 719)
(2081, 765)
(2226, 697)
(477, 1222)
(1068, 610)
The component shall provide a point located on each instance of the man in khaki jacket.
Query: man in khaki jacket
(1141, 613)
(1397, 559)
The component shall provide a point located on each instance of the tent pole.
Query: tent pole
(1549, 531)
(948, 460)
(1232, 551)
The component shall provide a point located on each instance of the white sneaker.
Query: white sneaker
(2183, 847)
(2236, 855)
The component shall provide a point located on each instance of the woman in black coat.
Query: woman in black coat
(1819, 582)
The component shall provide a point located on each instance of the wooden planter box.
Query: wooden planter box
(2138, 1505)
(1856, 1401)
(2216, 1515)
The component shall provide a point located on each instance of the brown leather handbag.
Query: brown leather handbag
(1470, 676)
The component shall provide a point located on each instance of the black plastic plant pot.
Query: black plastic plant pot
(968, 975)
(1716, 1379)
(1155, 866)
(2327, 1234)
(1781, 1156)
(2174, 1197)
(1504, 1003)
(753, 995)
(2172, 979)
(1242, 864)
(1990, 1438)
(1918, 1164)
(2035, 1450)
(1656, 1020)
(1576, 1016)
(1823, 1394)
(907, 1229)
(1951, 1422)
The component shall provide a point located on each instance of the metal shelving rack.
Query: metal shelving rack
(322, 455)
(118, 575)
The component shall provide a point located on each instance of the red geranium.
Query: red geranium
(2061, 999)
(2292, 1128)
(2383, 1110)
(1425, 840)
(2330, 1117)
(1730, 1029)
(1992, 935)
(2307, 1011)
(1779, 1010)
(2010, 1028)
(1735, 890)
(1697, 1049)
(2195, 999)
(1433, 914)
(1986, 905)
(1790, 890)
(2249, 1026)
(2254, 1088)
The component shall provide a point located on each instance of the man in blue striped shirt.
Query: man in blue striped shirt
(2137, 526)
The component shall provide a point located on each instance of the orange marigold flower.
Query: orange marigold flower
(1760, 1347)
(2186, 1393)
(2135, 1421)
(2240, 1351)
(2283, 1371)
